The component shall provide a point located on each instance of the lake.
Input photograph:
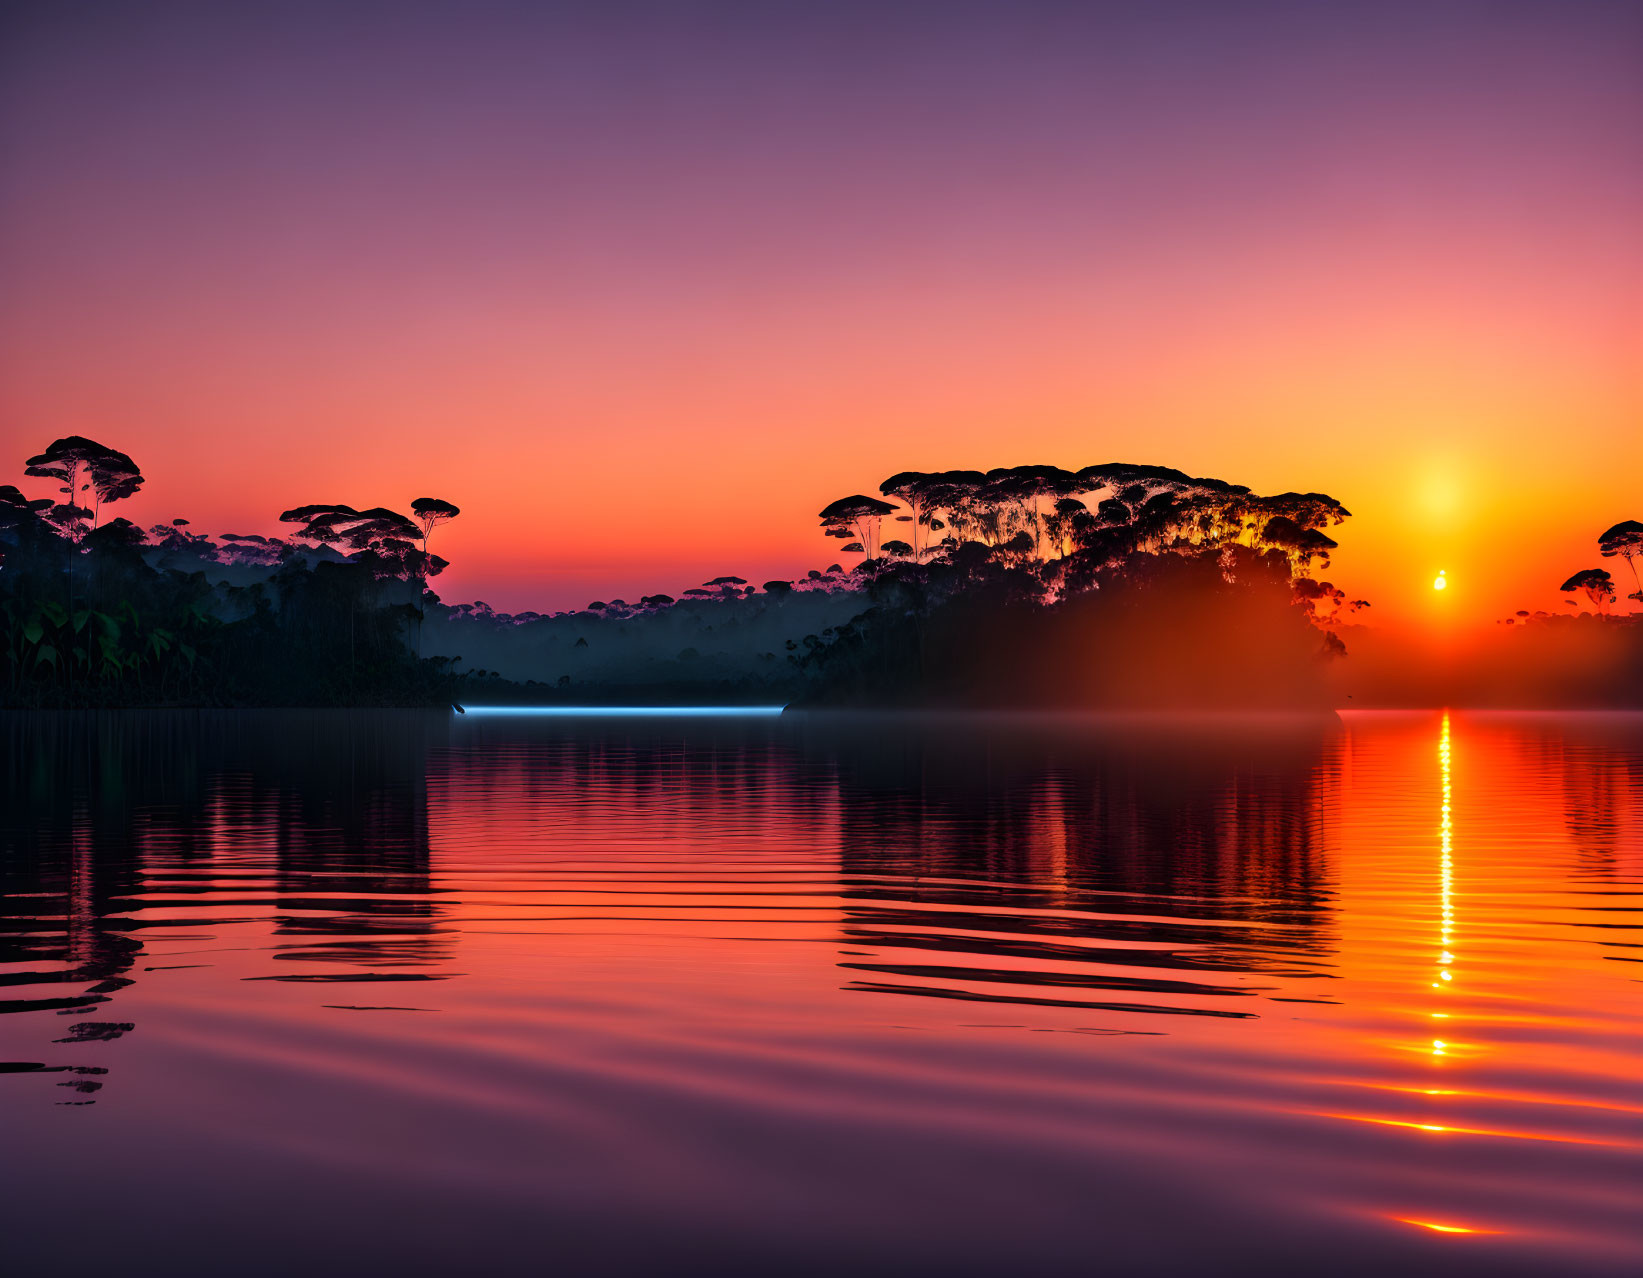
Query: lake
(354, 992)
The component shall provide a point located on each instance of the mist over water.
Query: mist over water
(412, 992)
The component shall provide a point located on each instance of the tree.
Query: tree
(114, 477)
(429, 513)
(1597, 584)
(320, 523)
(955, 494)
(1625, 539)
(1302, 545)
(81, 465)
(916, 489)
(383, 543)
(1020, 490)
(382, 539)
(857, 516)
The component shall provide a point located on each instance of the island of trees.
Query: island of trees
(1112, 584)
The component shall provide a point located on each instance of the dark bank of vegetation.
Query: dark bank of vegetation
(101, 612)
(1115, 584)
(1112, 585)
(96, 611)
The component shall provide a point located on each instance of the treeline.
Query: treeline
(1034, 584)
(1111, 584)
(97, 611)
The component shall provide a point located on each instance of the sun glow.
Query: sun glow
(1442, 581)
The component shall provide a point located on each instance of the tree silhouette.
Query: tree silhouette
(1018, 491)
(81, 465)
(382, 539)
(1302, 545)
(383, 543)
(114, 477)
(430, 512)
(1625, 539)
(857, 516)
(957, 494)
(1597, 584)
(916, 489)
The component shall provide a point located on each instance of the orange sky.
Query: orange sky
(641, 301)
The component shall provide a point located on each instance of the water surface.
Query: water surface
(407, 992)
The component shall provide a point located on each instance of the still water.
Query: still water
(343, 993)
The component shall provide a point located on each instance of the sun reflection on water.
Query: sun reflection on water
(1437, 1228)
(1446, 878)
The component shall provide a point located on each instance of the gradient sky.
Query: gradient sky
(642, 287)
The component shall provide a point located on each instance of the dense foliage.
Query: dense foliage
(1112, 584)
(1115, 583)
(100, 612)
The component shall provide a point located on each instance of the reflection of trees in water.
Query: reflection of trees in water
(342, 801)
(69, 863)
(188, 814)
(1598, 763)
(1037, 863)
(1006, 859)
(1601, 775)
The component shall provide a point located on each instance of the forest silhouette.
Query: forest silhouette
(1116, 584)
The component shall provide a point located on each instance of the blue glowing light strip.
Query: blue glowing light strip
(630, 712)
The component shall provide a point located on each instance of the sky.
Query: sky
(642, 287)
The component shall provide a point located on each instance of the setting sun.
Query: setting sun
(1442, 582)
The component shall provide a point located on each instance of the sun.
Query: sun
(1442, 581)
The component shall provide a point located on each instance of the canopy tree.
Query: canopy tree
(917, 490)
(1625, 539)
(430, 512)
(383, 545)
(1302, 545)
(80, 466)
(856, 516)
(382, 539)
(1596, 583)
